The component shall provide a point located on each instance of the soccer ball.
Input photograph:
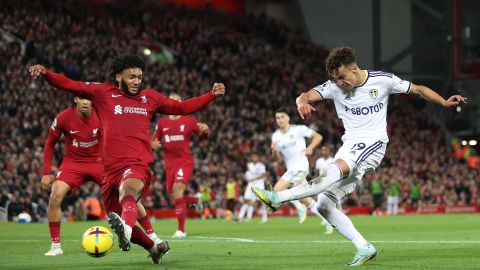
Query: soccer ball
(97, 241)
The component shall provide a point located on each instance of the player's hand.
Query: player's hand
(46, 182)
(305, 110)
(203, 128)
(36, 70)
(218, 89)
(308, 151)
(156, 144)
(274, 147)
(454, 100)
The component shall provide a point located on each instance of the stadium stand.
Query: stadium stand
(263, 64)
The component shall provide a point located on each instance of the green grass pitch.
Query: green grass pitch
(403, 242)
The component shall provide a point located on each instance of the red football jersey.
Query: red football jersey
(126, 119)
(175, 137)
(82, 138)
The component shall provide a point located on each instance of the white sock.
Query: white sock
(250, 212)
(334, 174)
(263, 210)
(56, 245)
(128, 231)
(341, 223)
(154, 236)
(243, 209)
(297, 204)
(153, 249)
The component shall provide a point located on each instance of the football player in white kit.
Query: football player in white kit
(256, 175)
(361, 99)
(321, 165)
(288, 142)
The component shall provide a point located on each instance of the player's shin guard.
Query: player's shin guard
(141, 239)
(129, 210)
(181, 212)
(341, 223)
(314, 187)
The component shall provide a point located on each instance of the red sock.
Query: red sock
(181, 211)
(190, 199)
(54, 231)
(146, 225)
(141, 239)
(129, 210)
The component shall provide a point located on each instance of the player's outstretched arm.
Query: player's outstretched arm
(61, 82)
(303, 103)
(432, 96)
(316, 140)
(189, 106)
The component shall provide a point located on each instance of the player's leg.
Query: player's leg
(54, 215)
(144, 221)
(327, 207)
(262, 209)
(251, 207)
(156, 250)
(395, 205)
(285, 181)
(180, 208)
(248, 196)
(243, 210)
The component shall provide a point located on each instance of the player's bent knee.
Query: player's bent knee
(325, 203)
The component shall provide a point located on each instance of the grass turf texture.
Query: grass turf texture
(402, 242)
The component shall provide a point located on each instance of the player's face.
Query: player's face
(282, 119)
(345, 77)
(83, 105)
(130, 80)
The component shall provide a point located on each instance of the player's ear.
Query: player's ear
(118, 77)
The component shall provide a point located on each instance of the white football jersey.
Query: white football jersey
(255, 170)
(364, 111)
(292, 146)
(322, 164)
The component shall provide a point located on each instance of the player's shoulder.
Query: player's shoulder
(66, 114)
(150, 93)
(379, 76)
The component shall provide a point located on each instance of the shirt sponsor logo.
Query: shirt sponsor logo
(134, 110)
(174, 138)
(288, 145)
(84, 144)
(367, 110)
(118, 109)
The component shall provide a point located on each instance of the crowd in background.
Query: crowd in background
(264, 66)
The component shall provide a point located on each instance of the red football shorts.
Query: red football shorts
(114, 177)
(74, 174)
(180, 172)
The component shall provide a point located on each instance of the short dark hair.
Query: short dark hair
(281, 110)
(339, 56)
(127, 61)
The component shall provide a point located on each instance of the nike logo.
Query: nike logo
(116, 95)
(165, 129)
(74, 131)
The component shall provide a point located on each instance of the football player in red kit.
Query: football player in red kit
(81, 162)
(125, 111)
(173, 134)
